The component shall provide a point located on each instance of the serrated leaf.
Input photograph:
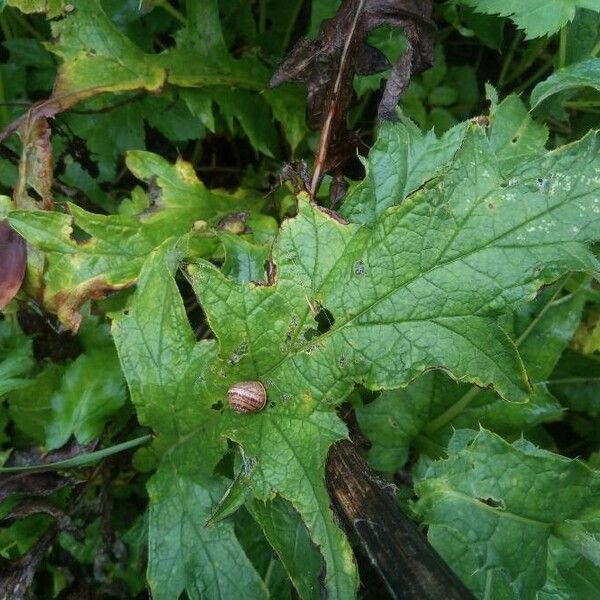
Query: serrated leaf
(492, 508)
(166, 372)
(514, 135)
(287, 534)
(535, 17)
(186, 555)
(431, 408)
(92, 389)
(419, 288)
(417, 158)
(97, 58)
(113, 256)
(585, 74)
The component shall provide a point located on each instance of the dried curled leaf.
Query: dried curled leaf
(327, 65)
(13, 257)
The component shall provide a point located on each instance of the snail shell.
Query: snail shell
(247, 396)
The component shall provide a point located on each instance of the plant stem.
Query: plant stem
(508, 60)
(81, 459)
(562, 48)
(168, 7)
(545, 67)
(595, 50)
(5, 27)
(451, 412)
(262, 16)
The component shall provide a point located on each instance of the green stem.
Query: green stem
(4, 118)
(262, 16)
(583, 104)
(168, 7)
(82, 459)
(508, 60)
(5, 27)
(562, 48)
(452, 412)
(528, 60)
(538, 73)
(595, 50)
(429, 447)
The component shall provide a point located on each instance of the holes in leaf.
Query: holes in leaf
(493, 502)
(514, 140)
(324, 321)
(217, 405)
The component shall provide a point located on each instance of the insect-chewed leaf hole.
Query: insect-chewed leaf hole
(493, 502)
(324, 320)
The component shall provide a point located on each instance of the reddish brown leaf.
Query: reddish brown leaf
(327, 66)
(13, 258)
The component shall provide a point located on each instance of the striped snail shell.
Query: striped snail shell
(247, 396)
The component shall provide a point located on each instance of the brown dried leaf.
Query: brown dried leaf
(33, 484)
(16, 576)
(328, 64)
(13, 258)
(35, 166)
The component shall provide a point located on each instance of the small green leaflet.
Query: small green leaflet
(585, 74)
(495, 510)
(535, 17)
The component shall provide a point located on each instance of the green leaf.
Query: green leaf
(186, 555)
(514, 135)
(15, 358)
(535, 17)
(166, 372)
(30, 406)
(570, 575)
(579, 75)
(97, 58)
(290, 539)
(92, 389)
(421, 287)
(431, 408)
(244, 261)
(584, 33)
(576, 381)
(417, 157)
(118, 244)
(493, 521)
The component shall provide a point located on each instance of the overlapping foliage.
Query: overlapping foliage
(451, 301)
